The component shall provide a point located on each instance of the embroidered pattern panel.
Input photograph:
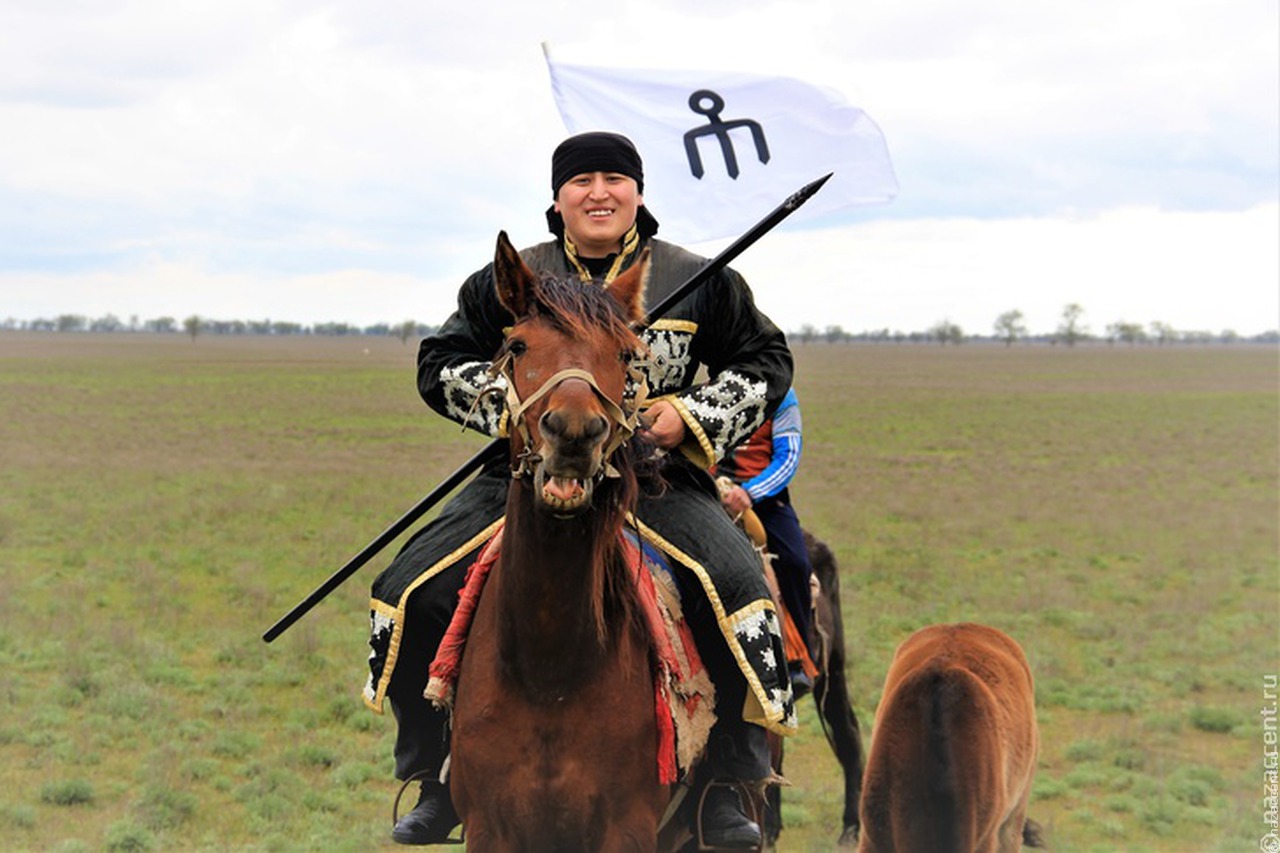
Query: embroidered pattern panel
(756, 630)
(669, 356)
(381, 628)
(462, 383)
(728, 408)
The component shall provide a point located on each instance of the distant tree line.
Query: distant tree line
(196, 326)
(1010, 328)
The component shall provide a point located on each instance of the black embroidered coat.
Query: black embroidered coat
(748, 369)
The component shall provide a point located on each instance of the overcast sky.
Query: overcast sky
(250, 159)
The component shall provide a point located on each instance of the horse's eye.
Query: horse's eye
(517, 347)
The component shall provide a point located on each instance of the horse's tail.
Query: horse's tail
(931, 727)
(947, 690)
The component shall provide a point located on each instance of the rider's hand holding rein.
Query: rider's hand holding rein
(736, 500)
(663, 425)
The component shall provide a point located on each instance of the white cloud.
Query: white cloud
(1197, 271)
(256, 149)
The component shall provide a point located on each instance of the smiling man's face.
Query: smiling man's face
(597, 209)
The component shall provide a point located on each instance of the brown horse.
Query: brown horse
(554, 733)
(953, 752)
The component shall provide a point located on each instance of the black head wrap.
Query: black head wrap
(596, 151)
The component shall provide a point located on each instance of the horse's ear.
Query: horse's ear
(512, 278)
(628, 288)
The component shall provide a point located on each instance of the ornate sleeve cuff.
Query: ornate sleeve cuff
(725, 411)
(475, 399)
(696, 445)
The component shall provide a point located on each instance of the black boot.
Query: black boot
(725, 822)
(736, 750)
(431, 820)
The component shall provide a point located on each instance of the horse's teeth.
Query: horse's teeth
(563, 492)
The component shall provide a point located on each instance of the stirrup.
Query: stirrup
(395, 809)
(749, 806)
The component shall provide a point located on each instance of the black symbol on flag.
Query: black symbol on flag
(708, 103)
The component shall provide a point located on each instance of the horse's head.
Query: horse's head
(568, 359)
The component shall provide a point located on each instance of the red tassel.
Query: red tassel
(666, 737)
(449, 655)
(667, 771)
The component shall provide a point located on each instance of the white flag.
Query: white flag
(723, 149)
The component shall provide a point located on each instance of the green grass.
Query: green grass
(1114, 511)
(162, 502)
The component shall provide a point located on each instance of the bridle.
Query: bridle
(624, 420)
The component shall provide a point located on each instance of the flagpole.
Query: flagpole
(494, 448)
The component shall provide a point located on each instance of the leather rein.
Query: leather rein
(624, 421)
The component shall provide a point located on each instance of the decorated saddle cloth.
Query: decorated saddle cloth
(682, 524)
(684, 697)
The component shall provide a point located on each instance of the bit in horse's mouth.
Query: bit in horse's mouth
(562, 494)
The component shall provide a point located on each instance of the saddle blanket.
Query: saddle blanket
(684, 696)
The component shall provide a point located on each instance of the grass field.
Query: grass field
(163, 501)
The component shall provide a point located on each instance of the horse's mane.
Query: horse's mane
(579, 309)
(575, 306)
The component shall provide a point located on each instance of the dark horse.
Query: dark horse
(554, 733)
(830, 694)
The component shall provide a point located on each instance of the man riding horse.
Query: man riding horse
(600, 226)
